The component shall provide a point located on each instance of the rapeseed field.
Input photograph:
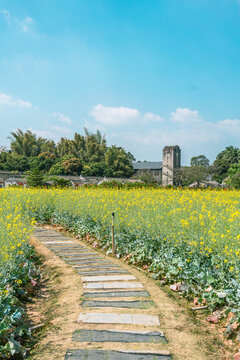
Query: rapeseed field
(187, 236)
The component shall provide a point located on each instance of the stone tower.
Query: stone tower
(171, 161)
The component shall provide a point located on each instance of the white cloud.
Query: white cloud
(149, 117)
(117, 116)
(186, 128)
(235, 123)
(114, 116)
(26, 24)
(61, 129)
(183, 115)
(61, 117)
(8, 100)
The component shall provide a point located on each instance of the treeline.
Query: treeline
(86, 154)
(226, 168)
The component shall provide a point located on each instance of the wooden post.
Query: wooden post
(113, 240)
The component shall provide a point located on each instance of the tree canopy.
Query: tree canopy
(86, 154)
(200, 160)
(224, 160)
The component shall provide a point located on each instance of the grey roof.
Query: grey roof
(147, 165)
(8, 174)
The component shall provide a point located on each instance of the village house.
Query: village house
(162, 171)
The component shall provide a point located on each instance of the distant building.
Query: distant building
(162, 171)
(155, 167)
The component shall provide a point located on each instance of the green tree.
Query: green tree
(72, 166)
(119, 162)
(190, 174)
(147, 177)
(13, 162)
(59, 181)
(94, 169)
(26, 144)
(224, 160)
(200, 160)
(57, 169)
(95, 147)
(86, 153)
(234, 169)
(35, 178)
(43, 161)
(234, 181)
(67, 166)
(231, 154)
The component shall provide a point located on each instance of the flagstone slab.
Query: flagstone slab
(78, 354)
(114, 318)
(45, 234)
(66, 249)
(102, 272)
(69, 249)
(113, 285)
(79, 254)
(92, 263)
(84, 335)
(97, 266)
(108, 278)
(77, 261)
(80, 258)
(50, 237)
(67, 246)
(115, 294)
(58, 242)
(118, 304)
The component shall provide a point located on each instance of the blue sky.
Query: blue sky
(147, 73)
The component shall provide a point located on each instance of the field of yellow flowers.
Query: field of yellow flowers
(186, 236)
(17, 269)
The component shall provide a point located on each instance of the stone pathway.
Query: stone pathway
(114, 299)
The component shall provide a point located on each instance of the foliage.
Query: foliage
(234, 181)
(147, 177)
(59, 181)
(189, 174)
(35, 178)
(119, 162)
(87, 154)
(67, 166)
(28, 144)
(223, 162)
(113, 184)
(18, 275)
(95, 169)
(200, 160)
